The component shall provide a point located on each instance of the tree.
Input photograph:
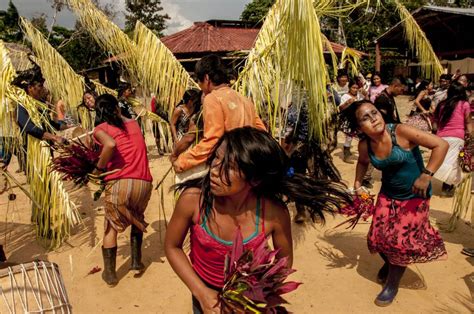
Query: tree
(147, 12)
(39, 22)
(9, 24)
(256, 10)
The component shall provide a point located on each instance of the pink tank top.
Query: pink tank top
(208, 252)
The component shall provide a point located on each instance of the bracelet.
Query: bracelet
(426, 171)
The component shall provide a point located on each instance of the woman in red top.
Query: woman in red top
(245, 188)
(128, 188)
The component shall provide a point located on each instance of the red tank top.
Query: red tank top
(208, 252)
(130, 152)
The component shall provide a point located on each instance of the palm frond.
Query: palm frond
(107, 35)
(288, 57)
(154, 57)
(351, 59)
(57, 212)
(62, 81)
(337, 8)
(419, 44)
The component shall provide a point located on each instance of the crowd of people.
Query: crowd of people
(233, 175)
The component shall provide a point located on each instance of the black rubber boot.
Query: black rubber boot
(383, 271)
(390, 290)
(447, 190)
(347, 154)
(3, 257)
(109, 275)
(136, 239)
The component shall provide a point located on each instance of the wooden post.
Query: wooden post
(378, 57)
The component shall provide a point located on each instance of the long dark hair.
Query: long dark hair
(107, 109)
(423, 85)
(213, 66)
(262, 161)
(373, 76)
(444, 111)
(350, 114)
(29, 77)
(193, 95)
(123, 86)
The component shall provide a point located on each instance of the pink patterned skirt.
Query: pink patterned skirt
(401, 230)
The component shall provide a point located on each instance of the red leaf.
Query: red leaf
(94, 270)
(280, 264)
(288, 287)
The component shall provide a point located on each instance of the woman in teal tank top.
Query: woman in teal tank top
(400, 231)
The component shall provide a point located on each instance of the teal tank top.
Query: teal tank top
(399, 170)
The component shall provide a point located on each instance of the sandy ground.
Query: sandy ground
(337, 271)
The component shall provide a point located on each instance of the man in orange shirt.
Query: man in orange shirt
(224, 109)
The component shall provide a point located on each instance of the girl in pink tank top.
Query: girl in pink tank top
(245, 188)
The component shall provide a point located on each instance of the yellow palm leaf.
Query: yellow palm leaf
(420, 45)
(287, 59)
(154, 57)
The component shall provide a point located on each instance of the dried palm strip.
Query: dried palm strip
(154, 57)
(461, 201)
(63, 82)
(108, 35)
(419, 44)
(337, 8)
(351, 59)
(334, 60)
(57, 213)
(295, 62)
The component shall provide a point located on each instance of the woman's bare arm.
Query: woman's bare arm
(362, 164)
(418, 101)
(174, 120)
(108, 148)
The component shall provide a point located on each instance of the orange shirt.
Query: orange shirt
(224, 109)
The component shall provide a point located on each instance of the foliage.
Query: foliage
(255, 280)
(75, 161)
(9, 29)
(256, 10)
(362, 207)
(286, 60)
(148, 12)
(39, 22)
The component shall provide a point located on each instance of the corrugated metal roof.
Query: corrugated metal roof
(204, 37)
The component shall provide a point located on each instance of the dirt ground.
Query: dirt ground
(337, 271)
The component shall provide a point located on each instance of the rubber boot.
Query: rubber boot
(390, 290)
(300, 216)
(383, 271)
(347, 154)
(109, 275)
(447, 190)
(136, 239)
(3, 257)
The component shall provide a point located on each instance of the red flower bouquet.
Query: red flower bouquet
(362, 207)
(75, 161)
(255, 280)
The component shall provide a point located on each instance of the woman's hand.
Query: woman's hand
(209, 301)
(420, 187)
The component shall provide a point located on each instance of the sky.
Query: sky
(182, 12)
